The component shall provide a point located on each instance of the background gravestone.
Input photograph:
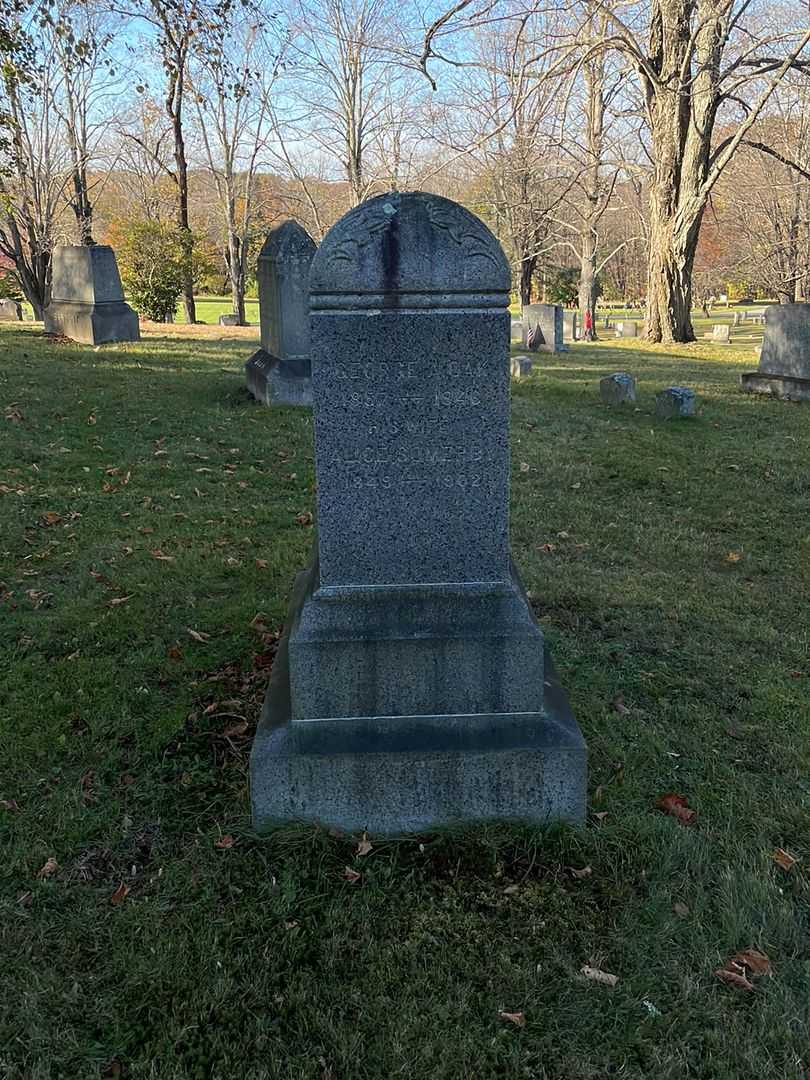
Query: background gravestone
(279, 373)
(543, 325)
(10, 311)
(626, 329)
(618, 389)
(412, 686)
(87, 301)
(784, 362)
(570, 326)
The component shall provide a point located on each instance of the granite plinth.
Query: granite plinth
(472, 648)
(273, 381)
(92, 324)
(785, 387)
(520, 367)
(87, 301)
(408, 773)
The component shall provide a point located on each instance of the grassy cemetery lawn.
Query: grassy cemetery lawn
(209, 309)
(151, 520)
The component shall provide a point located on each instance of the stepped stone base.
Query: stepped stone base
(786, 387)
(92, 324)
(279, 382)
(396, 774)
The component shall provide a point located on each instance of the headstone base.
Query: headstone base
(279, 382)
(396, 774)
(92, 324)
(786, 387)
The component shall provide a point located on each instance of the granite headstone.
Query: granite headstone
(675, 401)
(544, 327)
(87, 301)
(784, 362)
(279, 373)
(570, 325)
(412, 687)
(626, 329)
(521, 367)
(10, 311)
(618, 389)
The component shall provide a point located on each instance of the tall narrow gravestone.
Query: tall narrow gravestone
(87, 301)
(412, 686)
(784, 363)
(279, 372)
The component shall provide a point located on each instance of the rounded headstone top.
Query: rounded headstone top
(286, 240)
(409, 249)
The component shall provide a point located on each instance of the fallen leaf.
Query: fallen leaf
(735, 976)
(601, 815)
(586, 871)
(51, 517)
(261, 564)
(597, 976)
(365, 846)
(175, 652)
(9, 804)
(733, 556)
(757, 962)
(50, 867)
(516, 1018)
(120, 894)
(351, 875)
(524, 466)
(225, 842)
(161, 556)
(784, 859)
(677, 807)
(304, 519)
(198, 635)
(680, 909)
(618, 705)
(549, 549)
(233, 731)
(116, 600)
(290, 924)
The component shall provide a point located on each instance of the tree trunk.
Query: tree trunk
(174, 107)
(527, 268)
(671, 259)
(587, 293)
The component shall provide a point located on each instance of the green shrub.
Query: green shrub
(150, 260)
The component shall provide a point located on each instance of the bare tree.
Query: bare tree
(232, 81)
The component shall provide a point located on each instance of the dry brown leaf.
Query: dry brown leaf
(261, 564)
(677, 807)
(601, 815)
(510, 890)
(290, 924)
(735, 976)
(618, 705)
(597, 976)
(757, 962)
(364, 846)
(51, 517)
(50, 867)
(304, 519)
(784, 859)
(524, 466)
(198, 635)
(351, 875)
(161, 556)
(225, 842)
(120, 894)
(175, 652)
(549, 549)
(116, 600)
(516, 1018)
(680, 909)
(9, 804)
(233, 731)
(586, 871)
(733, 556)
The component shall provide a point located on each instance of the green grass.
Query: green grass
(669, 562)
(209, 309)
